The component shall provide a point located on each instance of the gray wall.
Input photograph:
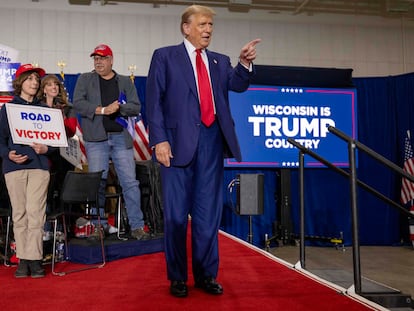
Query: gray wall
(51, 30)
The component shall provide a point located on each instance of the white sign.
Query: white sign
(72, 153)
(8, 54)
(29, 124)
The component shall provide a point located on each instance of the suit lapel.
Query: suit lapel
(183, 61)
(214, 72)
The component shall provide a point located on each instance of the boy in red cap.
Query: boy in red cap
(26, 172)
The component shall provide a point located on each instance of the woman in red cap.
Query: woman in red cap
(26, 171)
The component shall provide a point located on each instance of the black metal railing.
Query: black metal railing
(354, 182)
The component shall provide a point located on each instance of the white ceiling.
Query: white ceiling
(378, 8)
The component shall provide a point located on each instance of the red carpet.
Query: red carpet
(251, 281)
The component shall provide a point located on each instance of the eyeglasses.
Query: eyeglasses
(99, 58)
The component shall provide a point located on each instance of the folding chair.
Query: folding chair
(79, 188)
(148, 174)
(6, 213)
(117, 195)
(114, 192)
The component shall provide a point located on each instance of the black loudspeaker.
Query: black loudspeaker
(284, 211)
(250, 194)
(80, 2)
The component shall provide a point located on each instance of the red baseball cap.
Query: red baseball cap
(29, 67)
(102, 50)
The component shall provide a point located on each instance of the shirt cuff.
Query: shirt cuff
(249, 68)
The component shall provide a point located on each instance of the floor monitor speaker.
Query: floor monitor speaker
(250, 190)
(80, 2)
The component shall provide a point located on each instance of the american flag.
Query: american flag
(407, 187)
(139, 133)
(5, 99)
(79, 134)
(142, 151)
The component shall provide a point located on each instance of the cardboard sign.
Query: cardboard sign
(73, 153)
(34, 124)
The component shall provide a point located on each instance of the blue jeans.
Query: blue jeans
(98, 154)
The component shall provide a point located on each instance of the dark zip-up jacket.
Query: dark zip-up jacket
(35, 161)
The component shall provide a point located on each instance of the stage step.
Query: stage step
(376, 292)
(86, 251)
(391, 300)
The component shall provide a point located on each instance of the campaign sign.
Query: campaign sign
(29, 124)
(72, 153)
(8, 54)
(266, 116)
(7, 73)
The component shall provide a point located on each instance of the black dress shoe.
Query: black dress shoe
(178, 289)
(210, 285)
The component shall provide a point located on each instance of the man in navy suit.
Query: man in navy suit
(192, 153)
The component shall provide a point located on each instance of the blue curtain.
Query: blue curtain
(385, 113)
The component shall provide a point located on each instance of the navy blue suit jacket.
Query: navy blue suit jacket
(172, 104)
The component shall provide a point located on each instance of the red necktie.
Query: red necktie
(204, 89)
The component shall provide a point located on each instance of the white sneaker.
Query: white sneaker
(110, 229)
(47, 235)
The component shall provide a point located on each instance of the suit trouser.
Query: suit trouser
(196, 190)
(28, 192)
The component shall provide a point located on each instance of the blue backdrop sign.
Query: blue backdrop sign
(267, 116)
(7, 73)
